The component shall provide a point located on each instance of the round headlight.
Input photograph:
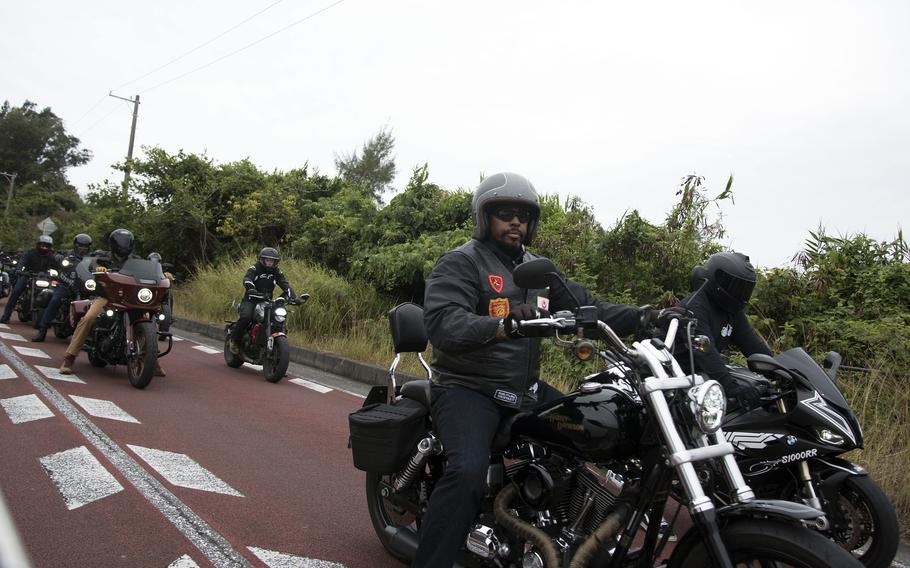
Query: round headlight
(109, 313)
(90, 285)
(145, 295)
(65, 263)
(53, 272)
(281, 312)
(708, 403)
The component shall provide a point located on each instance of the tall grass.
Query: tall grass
(349, 319)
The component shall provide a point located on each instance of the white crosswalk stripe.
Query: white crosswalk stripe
(274, 559)
(182, 471)
(25, 408)
(54, 373)
(4, 326)
(12, 336)
(79, 477)
(103, 409)
(6, 372)
(206, 349)
(29, 352)
(311, 385)
(183, 562)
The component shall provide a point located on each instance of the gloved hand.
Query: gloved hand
(523, 312)
(100, 269)
(168, 275)
(662, 318)
(747, 392)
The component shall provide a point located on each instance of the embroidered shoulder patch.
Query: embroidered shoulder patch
(505, 396)
(496, 282)
(499, 307)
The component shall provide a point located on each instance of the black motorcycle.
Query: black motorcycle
(265, 342)
(7, 267)
(572, 481)
(789, 450)
(67, 278)
(26, 307)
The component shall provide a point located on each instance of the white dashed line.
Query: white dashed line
(311, 385)
(25, 408)
(53, 373)
(251, 366)
(103, 409)
(6, 372)
(182, 471)
(12, 336)
(29, 352)
(280, 560)
(206, 349)
(4, 326)
(79, 477)
(183, 562)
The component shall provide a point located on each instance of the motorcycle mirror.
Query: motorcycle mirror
(535, 273)
(832, 364)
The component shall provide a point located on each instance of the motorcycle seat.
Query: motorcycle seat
(419, 391)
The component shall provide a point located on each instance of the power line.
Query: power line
(247, 46)
(100, 120)
(86, 113)
(198, 47)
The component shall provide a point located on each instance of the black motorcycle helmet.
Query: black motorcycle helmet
(121, 242)
(729, 280)
(499, 189)
(268, 252)
(45, 245)
(82, 244)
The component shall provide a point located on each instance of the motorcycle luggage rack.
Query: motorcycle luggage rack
(408, 336)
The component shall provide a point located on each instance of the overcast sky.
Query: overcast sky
(804, 101)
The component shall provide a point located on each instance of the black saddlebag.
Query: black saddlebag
(384, 436)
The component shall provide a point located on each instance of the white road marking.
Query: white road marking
(79, 477)
(251, 366)
(182, 471)
(206, 349)
(274, 559)
(183, 562)
(12, 336)
(175, 338)
(4, 326)
(103, 409)
(311, 385)
(6, 372)
(54, 373)
(29, 352)
(25, 408)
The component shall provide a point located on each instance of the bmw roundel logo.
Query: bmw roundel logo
(791, 440)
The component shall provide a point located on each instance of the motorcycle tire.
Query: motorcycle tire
(865, 523)
(141, 367)
(62, 330)
(230, 359)
(384, 514)
(277, 360)
(760, 542)
(95, 360)
(24, 312)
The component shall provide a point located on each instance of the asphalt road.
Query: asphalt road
(208, 466)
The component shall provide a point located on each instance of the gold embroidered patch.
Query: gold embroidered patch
(499, 307)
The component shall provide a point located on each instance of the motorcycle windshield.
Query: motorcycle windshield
(800, 361)
(143, 271)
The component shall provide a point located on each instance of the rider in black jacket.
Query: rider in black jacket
(261, 278)
(723, 287)
(82, 244)
(39, 259)
(485, 366)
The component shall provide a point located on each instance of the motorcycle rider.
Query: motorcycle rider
(484, 365)
(121, 243)
(82, 244)
(261, 278)
(722, 288)
(39, 259)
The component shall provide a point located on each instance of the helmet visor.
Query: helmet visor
(738, 288)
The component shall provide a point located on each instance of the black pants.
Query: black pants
(466, 422)
(245, 311)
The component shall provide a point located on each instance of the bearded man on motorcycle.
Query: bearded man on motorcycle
(722, 288)
(485, 366)
(260, 278)
(39, 259)
(82, 244)
(121, 243)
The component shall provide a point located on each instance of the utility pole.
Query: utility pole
(12, 185)
(129, 152)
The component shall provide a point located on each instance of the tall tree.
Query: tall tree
(374, 168)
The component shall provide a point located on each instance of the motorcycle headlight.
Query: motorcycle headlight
(109, 313)
(708, 403)
(65, 263)
(53, 272)
(145, 295)
(42, 283)
(90, 285)
(829, 437)
(281, 312)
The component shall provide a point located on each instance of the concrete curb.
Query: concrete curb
(329, 362)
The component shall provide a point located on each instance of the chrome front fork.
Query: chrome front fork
(810, 494)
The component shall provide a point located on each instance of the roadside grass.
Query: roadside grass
(350, 320)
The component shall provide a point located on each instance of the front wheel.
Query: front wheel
(763, 542)
(230, 359)
(865, 522)
(386, 516)
(277, 359)
(24, 308)
(141, 366)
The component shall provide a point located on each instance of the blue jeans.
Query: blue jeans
(21, 283)
(50, 312)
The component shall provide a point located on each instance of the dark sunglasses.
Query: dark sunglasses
(508, 213)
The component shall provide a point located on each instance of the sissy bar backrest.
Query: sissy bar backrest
(408, 336)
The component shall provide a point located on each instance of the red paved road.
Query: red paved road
(282, 446)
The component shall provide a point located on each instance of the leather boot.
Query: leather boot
(39, 335)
